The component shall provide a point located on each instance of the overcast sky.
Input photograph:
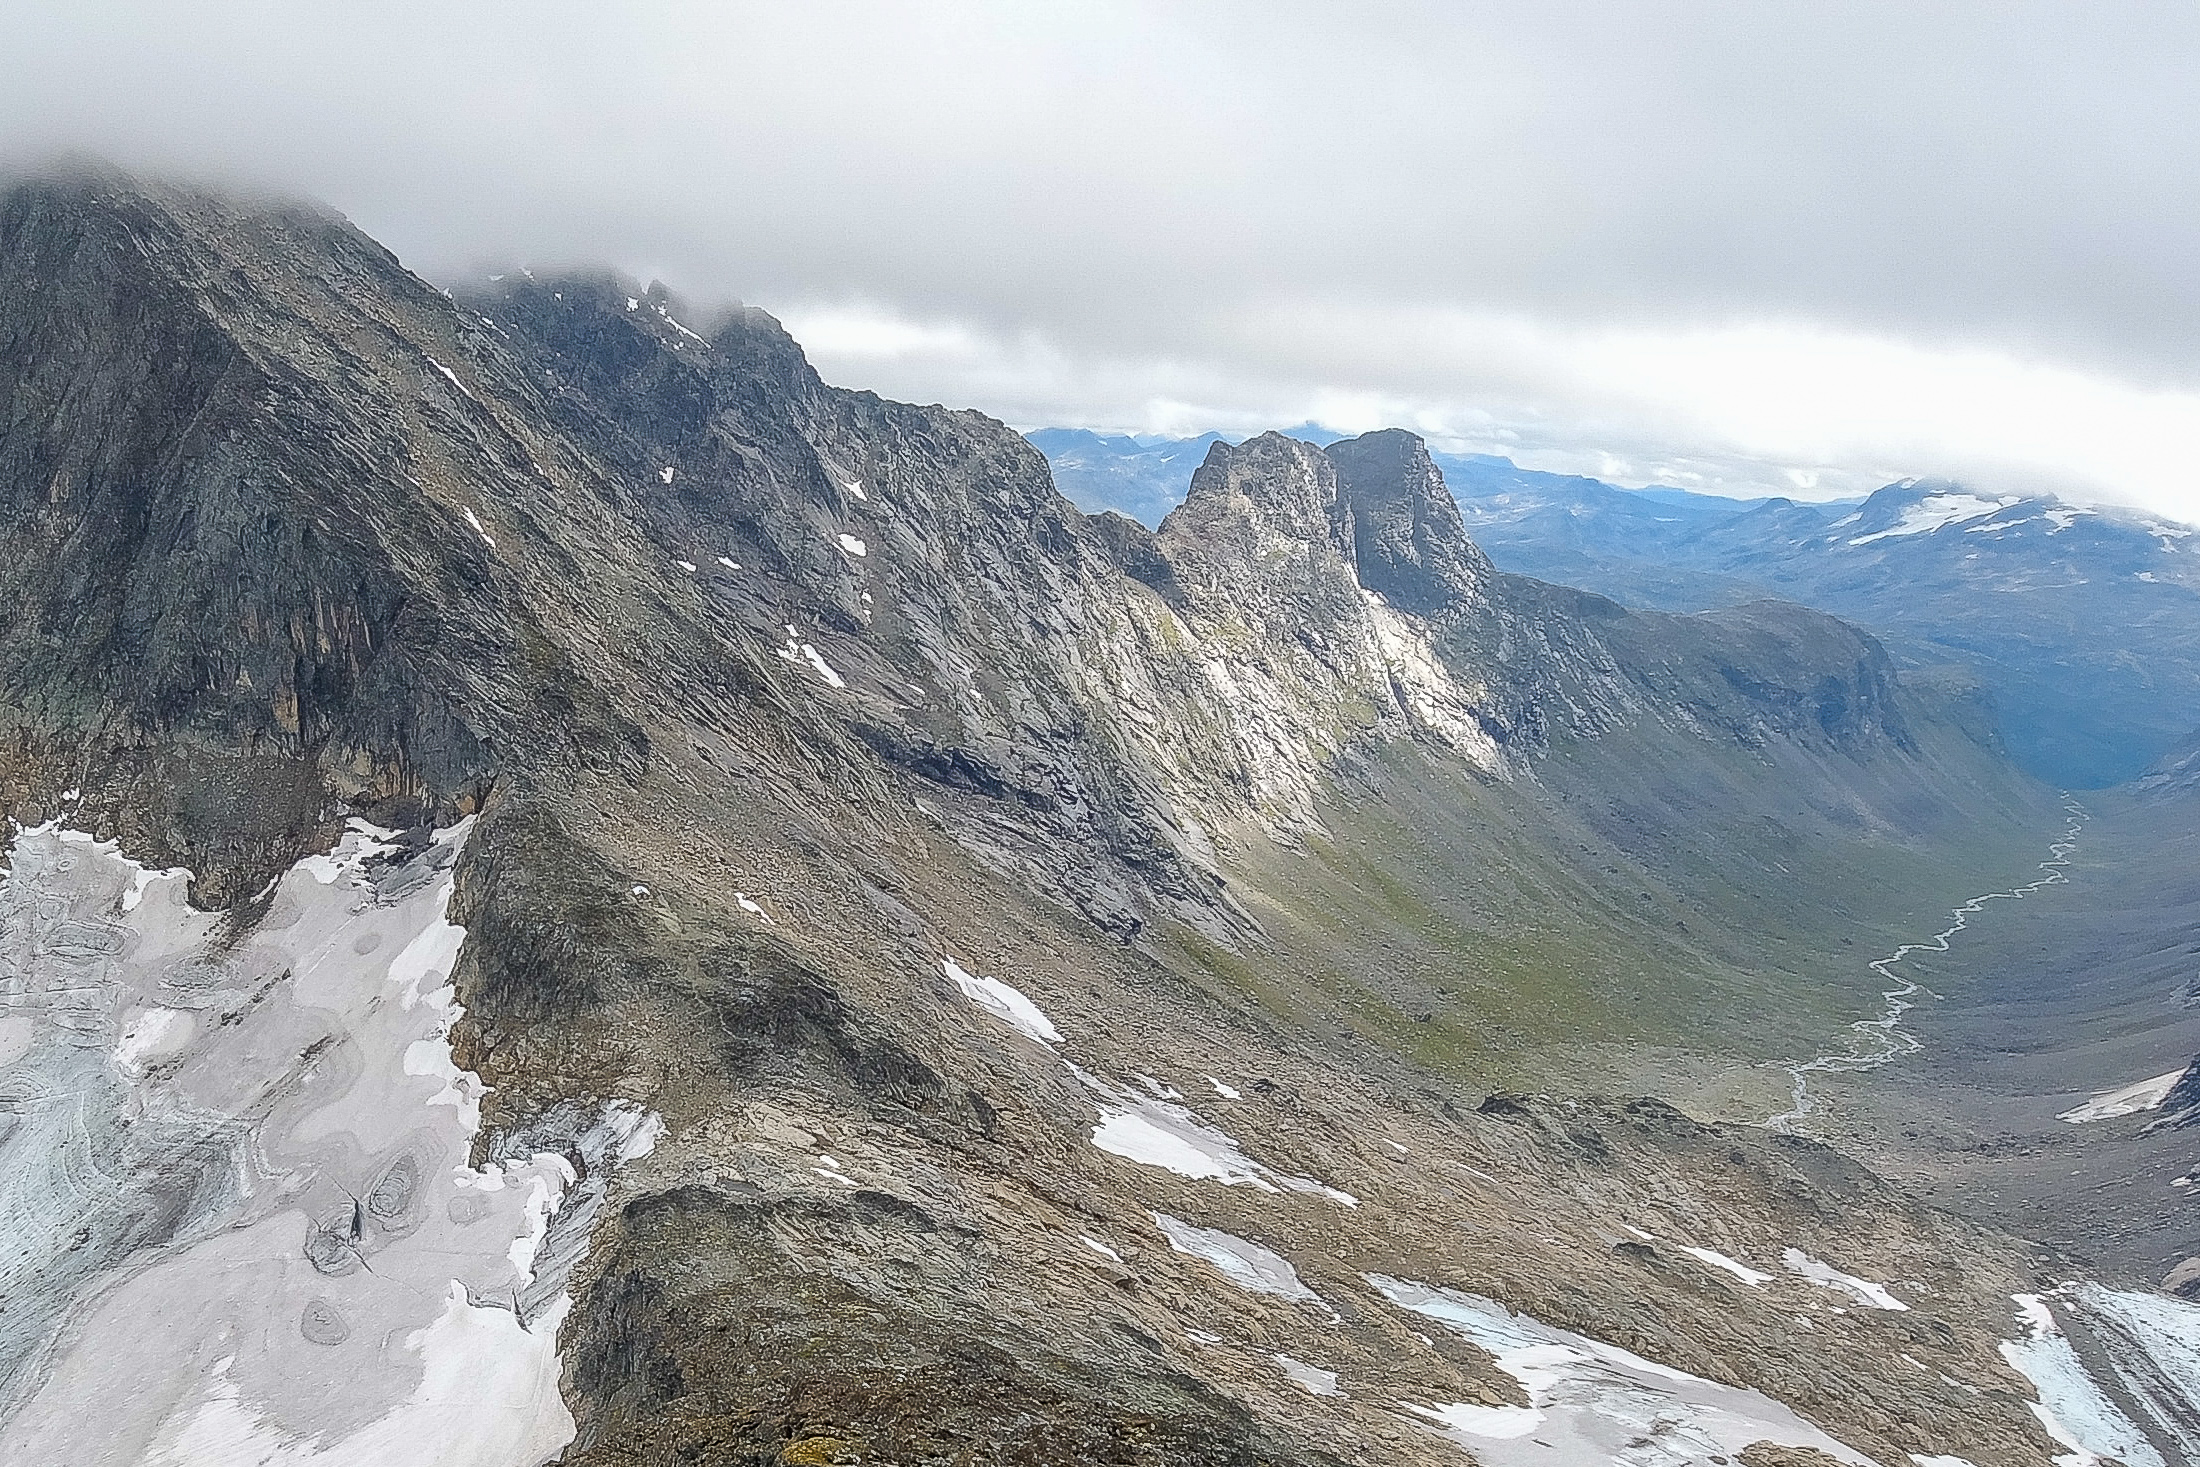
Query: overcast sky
(1803, 246)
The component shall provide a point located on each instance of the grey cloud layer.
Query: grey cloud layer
(1146, 184)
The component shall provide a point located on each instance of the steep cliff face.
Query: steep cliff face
(1001, 912)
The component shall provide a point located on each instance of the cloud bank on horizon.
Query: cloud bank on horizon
(1731, 246)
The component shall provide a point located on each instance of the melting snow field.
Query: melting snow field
(1594, 1402)
(2144, 1095)
(242, 1230)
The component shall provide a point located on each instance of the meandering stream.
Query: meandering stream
(1874, 1042)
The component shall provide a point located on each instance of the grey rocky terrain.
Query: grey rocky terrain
(976, 982)
(2080, 621)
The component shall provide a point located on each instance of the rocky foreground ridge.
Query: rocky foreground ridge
(1065, 968)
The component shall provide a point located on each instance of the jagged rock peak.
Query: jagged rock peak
(1270, 483)
(1403, 526)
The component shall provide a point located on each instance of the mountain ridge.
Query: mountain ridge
(2079, 619)
(1013, 931)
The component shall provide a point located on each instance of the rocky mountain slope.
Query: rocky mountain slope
(2080, 621)
(583, 891)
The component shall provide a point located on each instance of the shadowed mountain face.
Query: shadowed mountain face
(960, 979)
(2082, 623)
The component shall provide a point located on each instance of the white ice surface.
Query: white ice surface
(1593, 1402)
(1466, 1419)
(2072, 1408)
(1824, 1274)
(2152, 1344)
(2133, 1098)
(1247, 1264)
(1003, 1002)
(452, 377)
(244, 1342)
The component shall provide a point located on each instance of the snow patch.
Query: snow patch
(1225, 1091)
(1936, 511)
(452, 377)
(2133, 1098)
(1716, 1259)
(1501, 1423)
(150, 1034)
(853, 546)
(799, 651)
(475, 520)
(1003, 1002)
(2072, 1408)
(1247, 1264)
(1825, 1275)
(1312, 1379)
(1589, 1401)
(1159, 1133)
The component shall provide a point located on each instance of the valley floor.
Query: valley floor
(2082, 990)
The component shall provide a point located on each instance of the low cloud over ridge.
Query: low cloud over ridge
(1738, 246)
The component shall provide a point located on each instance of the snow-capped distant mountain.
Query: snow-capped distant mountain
(2083, 623)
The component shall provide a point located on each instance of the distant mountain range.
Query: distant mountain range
(2083, 623)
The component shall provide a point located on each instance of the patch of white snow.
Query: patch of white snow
(1100, 1248)
(1936, 511)
(1716, 1259)
(1008, 1004)
(2072, 1408)
(1589, 1401)
(2133, 1098)
(1312, 1379)
(1825, 1275)
(1247, 1264)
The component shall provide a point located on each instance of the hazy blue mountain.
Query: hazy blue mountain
(2083, 624)
(1142, 478)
